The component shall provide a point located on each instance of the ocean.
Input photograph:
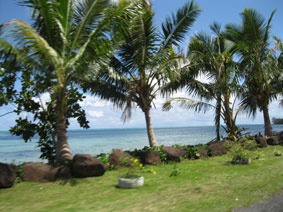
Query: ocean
(14, 150)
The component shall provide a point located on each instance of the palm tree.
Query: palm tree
(66, 37)
(211, 57)
(144, 61)
(252, 41)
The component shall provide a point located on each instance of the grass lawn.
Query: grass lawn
(202, 185)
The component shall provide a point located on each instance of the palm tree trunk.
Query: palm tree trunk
(63, 151)
(267, 123)
(150, 133)
(217, 117)
(228, 114)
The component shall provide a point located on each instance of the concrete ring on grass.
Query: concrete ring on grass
(130, 183)
(241, 161)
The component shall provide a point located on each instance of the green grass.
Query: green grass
(202, 185)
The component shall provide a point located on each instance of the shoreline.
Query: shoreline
(95, 142)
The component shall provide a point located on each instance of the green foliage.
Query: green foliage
(163, 156)
(239, 152)
(175, 171)
(277, 152)
(250, 145)
(104, 158)
(277, 121)
(9, 67)
(44, 118)
(133, 165)
(256, 155)
(20, 173)
(192, 150)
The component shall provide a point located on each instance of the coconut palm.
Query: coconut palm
(211, 57)
(144, 61)
(65, 38)
(252, 41)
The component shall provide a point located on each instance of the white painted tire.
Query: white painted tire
(130, 183)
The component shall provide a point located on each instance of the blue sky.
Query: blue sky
(102, 114)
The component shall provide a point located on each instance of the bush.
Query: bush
(104, 158)
(175, 171)
(277, 153)
(239, 152)
(250, 145)
(257, 155)
(193, 150)
(163, 156)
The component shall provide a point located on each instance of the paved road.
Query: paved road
(272, 204)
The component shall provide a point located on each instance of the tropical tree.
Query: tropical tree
(211, 57)
(66, 37)
(8, 70)
(144, 61)
(252, 43)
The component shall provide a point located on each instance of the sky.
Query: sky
(102, 114)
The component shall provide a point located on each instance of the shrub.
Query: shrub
(250, 145)
(257, 155)
(104, 158)
(175, 171)
(192, 150)
(163, 156)
(134, 167)
(277, 153)
(240, 154)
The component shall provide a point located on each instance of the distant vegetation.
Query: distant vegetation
(277, 121)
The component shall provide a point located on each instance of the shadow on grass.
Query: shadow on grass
(228, 163)
(71, 181)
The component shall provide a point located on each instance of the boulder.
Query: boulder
(217, 149)
(117, 156)
(151, 157)
(261, 141)
(84, 165)
(175, 153)
(38, 172)
(62, 172)
(202, 152)
(273, 140)
(8, 175)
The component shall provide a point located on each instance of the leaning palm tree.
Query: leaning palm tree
(144, 61)
(211, 57)
(65, 38)
(252, 41)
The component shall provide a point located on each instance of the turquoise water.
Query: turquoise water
(14, 149)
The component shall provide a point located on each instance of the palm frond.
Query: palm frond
(176, 27)
(26, 37)
(215, 28)
(127, 112)
(45, 15)
(187, 103)
(88, 13)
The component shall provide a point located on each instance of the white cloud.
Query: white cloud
(93, 101)
(95, 114)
